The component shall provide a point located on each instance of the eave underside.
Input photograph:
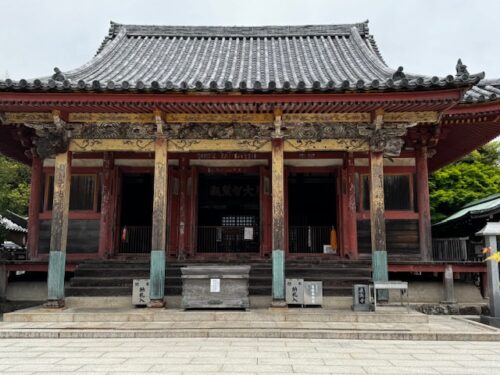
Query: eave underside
(291, 103)
(463, 128)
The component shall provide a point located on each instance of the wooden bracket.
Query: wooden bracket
(278, 114)
(159, 120)
(378, 120)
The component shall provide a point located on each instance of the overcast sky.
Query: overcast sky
(425, 37)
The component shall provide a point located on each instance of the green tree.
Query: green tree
(14, 186)
(475, 176)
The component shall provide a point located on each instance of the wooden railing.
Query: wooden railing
(308, 239)
(135, 240)
(453, 249)
(228, 239)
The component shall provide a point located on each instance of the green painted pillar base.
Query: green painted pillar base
(278, 277)
(380, 272)
(55, 279)
(157, 278)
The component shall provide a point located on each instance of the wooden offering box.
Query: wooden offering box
(215, 287)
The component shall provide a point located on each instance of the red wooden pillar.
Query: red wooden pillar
(286, 226)
(183, 206)
(173, 213)
(106, 221)
(34, 206)
(350, 222)
(192, 213)
(266, 208)
(424, 211)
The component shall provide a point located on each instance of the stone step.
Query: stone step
(290, 272)
(83, 291)
(177, 280)
(214, 319)
(110, 278)
(264, 264)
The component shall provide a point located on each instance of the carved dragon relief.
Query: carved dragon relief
(52, 138)
(387, 139)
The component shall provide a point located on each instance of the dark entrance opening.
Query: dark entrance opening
(136, 213)
(228, 213)
(312, 211)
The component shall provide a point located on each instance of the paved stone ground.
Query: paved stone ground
(246, 356)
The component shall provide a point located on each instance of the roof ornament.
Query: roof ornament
(398, 74)
(58, 75)
(461, 69)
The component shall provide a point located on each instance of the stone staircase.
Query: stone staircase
(114, 278)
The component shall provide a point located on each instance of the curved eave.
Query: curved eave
(389, 85)
(469, 215)
(222, 103)
(464, 108)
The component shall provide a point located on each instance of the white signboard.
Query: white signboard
(248, 234)
(214, 285)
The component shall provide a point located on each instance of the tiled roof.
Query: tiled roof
(486, 90)
(258, 59)
(483, 206)
(10, 225)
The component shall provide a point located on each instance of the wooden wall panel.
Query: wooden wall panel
(83, 236)
(402, 237)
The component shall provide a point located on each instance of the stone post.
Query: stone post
(490, 233)
(59, 231)
(448, 285)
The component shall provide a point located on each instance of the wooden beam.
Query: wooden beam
(103, 145)
(59, 230)
(412, 117)
(423, 202)
(159, 223)
(179, 145)
(340, 117)
(352, 145)
(120, 118)
(30, 117)
(217, 118)
(214, 145)
(213, 118)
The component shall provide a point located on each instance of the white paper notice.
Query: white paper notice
(248, 234)
(214, 285)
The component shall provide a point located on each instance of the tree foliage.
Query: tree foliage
(14, 186)
(475, 176)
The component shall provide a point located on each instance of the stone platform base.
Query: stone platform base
(387, 323)
(490, 320)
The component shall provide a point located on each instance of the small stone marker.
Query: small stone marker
(448, 286)
(490, 233)
(140, 292)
